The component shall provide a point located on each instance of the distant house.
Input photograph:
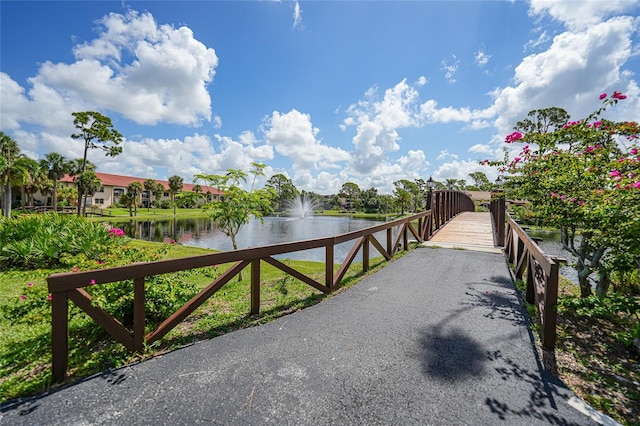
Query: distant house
(115, 186)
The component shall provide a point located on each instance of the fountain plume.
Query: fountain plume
(301, 206)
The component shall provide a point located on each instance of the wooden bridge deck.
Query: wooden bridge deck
(468, 230)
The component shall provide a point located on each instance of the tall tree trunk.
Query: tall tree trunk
(604, 281)
(6, 207)
(235, 247)
(84, 205)
(55, 195)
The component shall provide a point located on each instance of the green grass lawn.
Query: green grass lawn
(118, 214)
(25, 348)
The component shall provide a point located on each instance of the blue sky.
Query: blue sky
(323, 91)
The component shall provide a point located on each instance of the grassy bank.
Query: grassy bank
(25, 350)
(120, 214)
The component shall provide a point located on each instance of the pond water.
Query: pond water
(202, 232)
(552, 246)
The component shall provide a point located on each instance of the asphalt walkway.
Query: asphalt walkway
(435, 337)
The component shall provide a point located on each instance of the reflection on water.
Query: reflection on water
(552, 246)
(203, 233)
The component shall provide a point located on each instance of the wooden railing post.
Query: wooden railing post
(501, 220)
(328, 267)
(59, 335)
(405, 238)
(139, 315)
(255, 287)
(390, 248)
(550, 314)
(365, 254)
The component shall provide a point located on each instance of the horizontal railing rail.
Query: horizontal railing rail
(70, 286)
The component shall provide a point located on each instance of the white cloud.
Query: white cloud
(450, 69)
(542, 39)
(571, 73)
(477, 125)
(165, 80)
(481, 148)
(482, 58)
(422, 80)
(579, 15)
(297, 14)
(446, 154)
(430, 112)
(377, 123)
(292, 134)
(461, 169)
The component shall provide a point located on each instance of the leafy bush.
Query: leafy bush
(602, 307)
(621, 309)
(40, 241)
(32, 306)
(163, 204)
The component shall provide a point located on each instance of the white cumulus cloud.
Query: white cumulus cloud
(292, 134)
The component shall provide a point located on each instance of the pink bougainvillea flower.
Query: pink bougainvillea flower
(562, 197)
(604, 95)
(513, 137)
(633, 151)
(614, 173)
(75, 269)
(173, 241)
(49, 296)
(618, 95)
(591, 148)
(116, 232)
(92, 282)
(23, 297)
(553, 195)
(636, 184)
(30, 285)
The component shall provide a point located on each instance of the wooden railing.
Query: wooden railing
(524, 254)
(498, 210)
(70, 286)
(46, 209)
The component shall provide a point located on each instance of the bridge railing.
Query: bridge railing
(70, 286)
(497, 207)
(542, 277)
(524, 254)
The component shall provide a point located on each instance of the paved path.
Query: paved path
(435, 337)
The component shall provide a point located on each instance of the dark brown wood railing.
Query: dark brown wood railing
(524, 254)
(498, 210)
(70, 286)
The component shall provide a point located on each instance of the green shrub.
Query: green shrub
(44, 241)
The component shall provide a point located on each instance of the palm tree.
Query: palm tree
(175, 185)
(15, 169)
(150, 187)
(37, 183)
(56, 166)
(76, 168)
(88, 184)
(135, 190)
(197, 189)
(25, 181)
(157, 192)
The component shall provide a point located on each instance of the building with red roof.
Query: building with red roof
(115, 186)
